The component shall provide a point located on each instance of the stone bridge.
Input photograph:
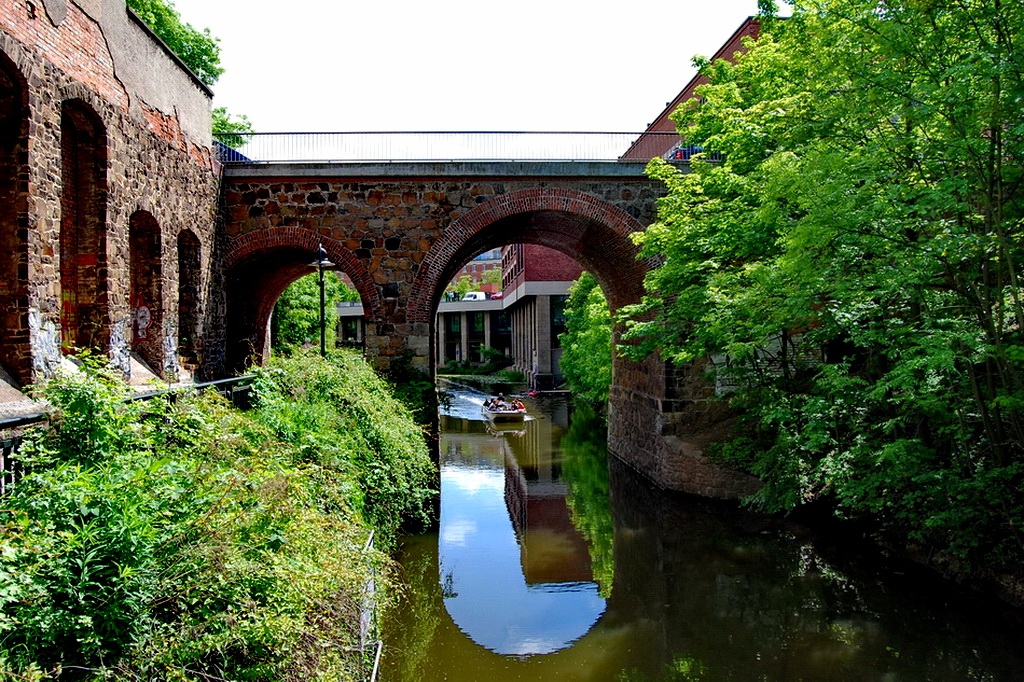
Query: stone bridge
(123, 233)
(401, 231)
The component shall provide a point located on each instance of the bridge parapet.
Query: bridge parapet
(346, 147)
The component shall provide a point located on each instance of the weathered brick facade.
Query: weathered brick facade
(98, 180)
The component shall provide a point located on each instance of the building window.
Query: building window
(557, 319)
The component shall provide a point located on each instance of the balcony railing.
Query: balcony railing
(386, 147)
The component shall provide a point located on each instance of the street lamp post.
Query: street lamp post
(322, 262)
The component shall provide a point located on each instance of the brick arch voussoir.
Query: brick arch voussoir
(504, 206)
(271, 238)
(88, 100)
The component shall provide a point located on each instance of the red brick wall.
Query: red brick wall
(76, 47)
(548, 265)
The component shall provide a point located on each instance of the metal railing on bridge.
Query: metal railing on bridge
(384, 147)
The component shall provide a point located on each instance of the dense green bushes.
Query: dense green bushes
(185, 540)
(587, 341)
(855, 256)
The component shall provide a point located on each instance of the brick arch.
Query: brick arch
(270, 239)
(259, 267)
(85, 304)
(581, 225)
(145, 278)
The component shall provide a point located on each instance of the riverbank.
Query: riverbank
(179, 538)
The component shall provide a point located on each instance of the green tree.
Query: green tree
(492, 276)
(198, 49)
(460, 286)
(587, 341)
(230, 130)
(296, 320)
(856, 257)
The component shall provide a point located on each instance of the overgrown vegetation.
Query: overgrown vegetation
(184, 540)
(856, 259)
(587, 341)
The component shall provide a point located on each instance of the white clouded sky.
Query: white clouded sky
(339, 65)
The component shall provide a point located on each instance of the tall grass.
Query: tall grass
(187, 541)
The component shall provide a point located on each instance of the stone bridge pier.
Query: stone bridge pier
(401, 234)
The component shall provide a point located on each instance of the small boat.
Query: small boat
(504, 413)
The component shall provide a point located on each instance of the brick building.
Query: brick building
(649, 145)
(108, 190)
(535, 285)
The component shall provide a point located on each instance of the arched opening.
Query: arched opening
(15, 348)
(598, 245)
(472, 327)
(146, 281)
(84, 318)
(260, 266)
(652, 408)
(189, 283)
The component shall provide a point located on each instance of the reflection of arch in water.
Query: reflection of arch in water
(516, 577)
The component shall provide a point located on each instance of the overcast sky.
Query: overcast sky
(336, 65)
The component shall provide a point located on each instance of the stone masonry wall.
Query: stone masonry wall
(150, 165)
(386, 228)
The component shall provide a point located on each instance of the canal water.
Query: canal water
(553, 561)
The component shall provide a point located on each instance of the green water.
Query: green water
(554, 562)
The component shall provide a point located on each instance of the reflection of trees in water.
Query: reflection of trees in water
(732, 596)
(585, 471)
(413, 618)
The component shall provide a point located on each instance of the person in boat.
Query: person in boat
(517, 404)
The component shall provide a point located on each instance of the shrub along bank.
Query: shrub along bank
(186, 540)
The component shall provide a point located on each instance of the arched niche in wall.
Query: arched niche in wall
(189, 282)
(146, 280)
(15, 347)
(84, 316)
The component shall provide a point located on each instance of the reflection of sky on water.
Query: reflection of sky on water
(486, 593)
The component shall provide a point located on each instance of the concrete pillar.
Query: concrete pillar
(487, 328)
(464, 340)
(439, 333)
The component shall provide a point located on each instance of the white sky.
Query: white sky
(337, 65)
